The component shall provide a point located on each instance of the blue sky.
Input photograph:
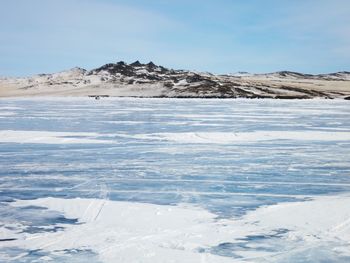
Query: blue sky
(221, 36)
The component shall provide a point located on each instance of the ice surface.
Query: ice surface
(155, 180)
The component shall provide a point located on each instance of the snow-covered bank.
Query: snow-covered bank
(137, 232)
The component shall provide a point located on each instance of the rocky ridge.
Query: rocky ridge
(150, 80)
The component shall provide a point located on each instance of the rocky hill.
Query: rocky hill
(150, 80)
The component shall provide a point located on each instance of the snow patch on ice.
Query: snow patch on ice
(129, 232)
(7, 113)
(233, 137)
(15, 136)
(138, 232)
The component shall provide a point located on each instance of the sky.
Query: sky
(221, 36)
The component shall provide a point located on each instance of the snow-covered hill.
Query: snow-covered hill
(150, 80)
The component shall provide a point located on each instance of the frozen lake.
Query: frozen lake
(172, 180)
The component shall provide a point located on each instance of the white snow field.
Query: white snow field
(174, 180)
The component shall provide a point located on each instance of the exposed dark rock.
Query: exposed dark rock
(194, 78)
(305, 91)
(168, 84)
(119, 67)
(151, 66)
(163, 70)
(121, 63)
(293, 74)
(136, 64)
(292, 97)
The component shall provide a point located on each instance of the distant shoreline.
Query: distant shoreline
(149, 80)
(170, 98)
